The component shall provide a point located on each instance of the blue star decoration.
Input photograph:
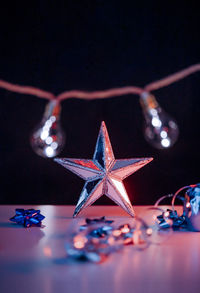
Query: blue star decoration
(28, 217)
(103, 174)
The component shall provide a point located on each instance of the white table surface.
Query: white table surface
(34, 259)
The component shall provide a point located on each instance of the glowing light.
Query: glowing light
(136, 237)
(156, 122)
(44, 134)
(149, 231)
(160, 130)
(163, 134)
(166, 214)
(169, 222)
(47, 251)
(125, 229)
(48, 123)
(116, 233)
(165, 142)
(79, 241)
(111, 240)
(188, 205)
(53, 119)
(49, 152)
(154, 112)
(49, 140)
(54, 145)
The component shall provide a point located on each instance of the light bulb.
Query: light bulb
(48, 139)
(161, 131)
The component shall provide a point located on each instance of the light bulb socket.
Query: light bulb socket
(53, 108)
(148, 101)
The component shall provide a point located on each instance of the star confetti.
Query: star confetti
(28, 217)
(103, 174)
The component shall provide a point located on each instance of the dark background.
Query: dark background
(94, 45)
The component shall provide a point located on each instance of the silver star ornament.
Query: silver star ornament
(103, 174)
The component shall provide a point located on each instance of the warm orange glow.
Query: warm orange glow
(116, 233)
(111, 240)
(187, 205)
(149, 231)
(125, 229)
(169, 222)
(79, 241)
(136, 237)
(47, 251)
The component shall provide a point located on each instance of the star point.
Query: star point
(103, 174)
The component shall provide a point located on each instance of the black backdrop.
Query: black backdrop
(63, 45)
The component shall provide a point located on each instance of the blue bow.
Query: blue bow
(28, 217)
(177, 221)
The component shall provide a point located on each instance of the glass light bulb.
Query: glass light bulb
(48, 139)
(160, 130)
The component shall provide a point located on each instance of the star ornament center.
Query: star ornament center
(103, 174)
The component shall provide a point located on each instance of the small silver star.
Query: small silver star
(103, 174)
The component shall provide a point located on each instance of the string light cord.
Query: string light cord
(172, 78)
(101, 94)
(160, 129)
(29, 90)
